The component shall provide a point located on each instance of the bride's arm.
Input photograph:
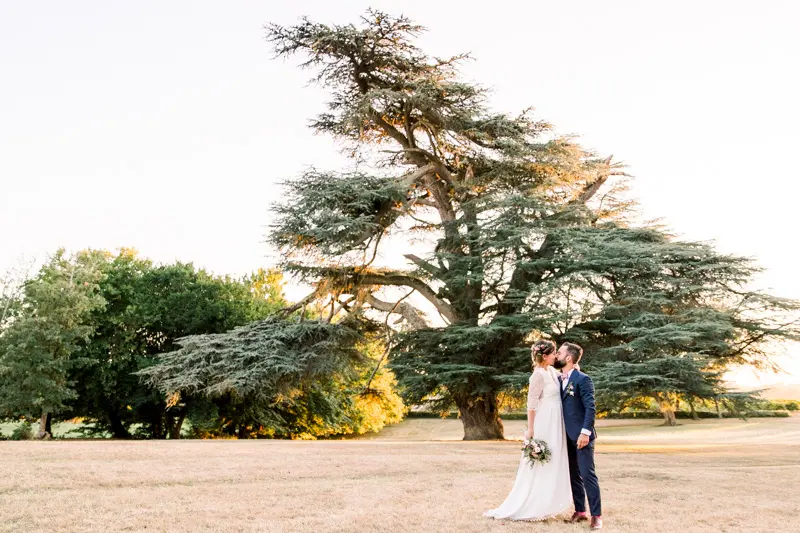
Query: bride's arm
(536, 386)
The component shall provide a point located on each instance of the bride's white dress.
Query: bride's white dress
(541, 491)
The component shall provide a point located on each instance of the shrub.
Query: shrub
(431, 414)
(23, 432)
(626, 415)
(686, 415)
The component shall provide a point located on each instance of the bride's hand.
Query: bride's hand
(528, 434)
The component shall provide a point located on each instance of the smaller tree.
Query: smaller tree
(147, 308)
(281, 378)
(665, 379)
(108, 393)
(37, 348)
(177, 301)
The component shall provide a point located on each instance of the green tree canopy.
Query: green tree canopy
(40, 346)
(661, 318)
(147, 308)
(279, 378)
(519, 218)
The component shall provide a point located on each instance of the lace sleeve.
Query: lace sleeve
(535, 388)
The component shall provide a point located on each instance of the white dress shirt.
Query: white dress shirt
(564, 382)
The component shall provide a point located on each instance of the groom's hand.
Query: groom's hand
(583, 441)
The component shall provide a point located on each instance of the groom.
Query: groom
(577, 394)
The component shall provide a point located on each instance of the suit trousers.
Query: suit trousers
(583, 478)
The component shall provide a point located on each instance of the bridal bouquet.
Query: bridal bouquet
(536, 451)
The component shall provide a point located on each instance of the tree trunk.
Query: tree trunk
(118, 429)
(668, 410)
(242, 433)
(158, 426)
(45, 429)
(669, 417)
(175, 425)
(481, 418)
(694, 413)
(719, 412)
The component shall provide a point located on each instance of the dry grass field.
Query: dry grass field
(415, 477)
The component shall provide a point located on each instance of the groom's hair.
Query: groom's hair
(574, 351)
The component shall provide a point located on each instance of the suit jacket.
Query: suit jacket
(577, 401)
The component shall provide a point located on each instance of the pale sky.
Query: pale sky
(165, 126)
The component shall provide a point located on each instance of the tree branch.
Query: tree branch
(386, 214)
(412, 177)
(423, 202)
(351, 278)
(590, 190)
(424, 265)
(342, 306)
(420, 157)
(399, 278)
(390, 130)
(446, 211)
(286, 311)
(406, 310)
(521, 278)
(388, 339)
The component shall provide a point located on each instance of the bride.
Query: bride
(543, 490)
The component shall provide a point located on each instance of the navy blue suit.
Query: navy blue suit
(577, 401)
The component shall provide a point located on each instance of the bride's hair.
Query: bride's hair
(541, 349)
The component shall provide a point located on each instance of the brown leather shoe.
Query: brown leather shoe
(597, 522)
(577, 517)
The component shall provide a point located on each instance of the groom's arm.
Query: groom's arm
(587, 398)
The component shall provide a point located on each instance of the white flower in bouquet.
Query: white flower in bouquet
(536, 451)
